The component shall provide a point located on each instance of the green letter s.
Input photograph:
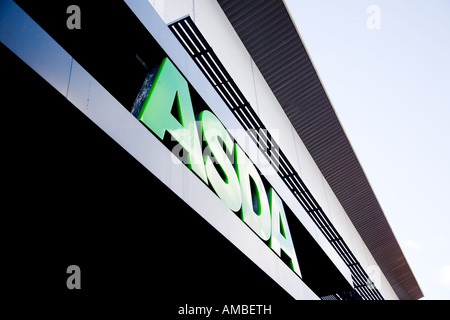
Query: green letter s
(227, 188)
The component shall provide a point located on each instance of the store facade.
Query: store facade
(192, 169)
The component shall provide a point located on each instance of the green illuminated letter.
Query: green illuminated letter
(169, 87)
(255, 206)
(281, 236)
(226, 186)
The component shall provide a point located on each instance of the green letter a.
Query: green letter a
(170, 86)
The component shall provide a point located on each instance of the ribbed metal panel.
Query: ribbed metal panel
(270, 36)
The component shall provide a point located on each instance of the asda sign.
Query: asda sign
(168, 109)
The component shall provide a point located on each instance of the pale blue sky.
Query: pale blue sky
(390, 88)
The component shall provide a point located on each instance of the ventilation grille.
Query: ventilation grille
(205, 58)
